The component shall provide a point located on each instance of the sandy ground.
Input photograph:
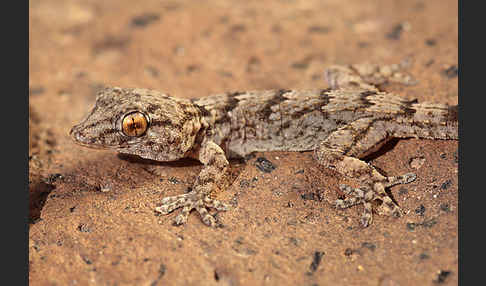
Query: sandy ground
(91, 212)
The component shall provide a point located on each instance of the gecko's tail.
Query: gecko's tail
(433, 121)
(367, 76)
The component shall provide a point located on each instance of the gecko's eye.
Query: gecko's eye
(134, 124)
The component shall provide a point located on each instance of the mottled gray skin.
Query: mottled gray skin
(342, 124)
(289, 120)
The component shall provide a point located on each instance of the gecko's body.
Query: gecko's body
(342, 125)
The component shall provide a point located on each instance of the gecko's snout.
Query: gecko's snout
(71, 132)
(96, 136)
(74, 133)
(80, 136)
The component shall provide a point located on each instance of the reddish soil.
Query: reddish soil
(91, 212)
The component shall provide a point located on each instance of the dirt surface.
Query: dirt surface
(91, 212)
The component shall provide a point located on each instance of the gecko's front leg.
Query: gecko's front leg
(208, 181)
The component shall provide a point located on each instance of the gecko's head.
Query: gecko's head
(142, 122)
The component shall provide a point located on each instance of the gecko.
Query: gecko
(341, 125)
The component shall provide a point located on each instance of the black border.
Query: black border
(15, 94)
(471, 142)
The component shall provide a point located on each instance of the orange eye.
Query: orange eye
(134, 124)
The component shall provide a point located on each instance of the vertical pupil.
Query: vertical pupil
(134, 124)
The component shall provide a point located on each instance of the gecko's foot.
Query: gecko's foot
(188, 202)
(368, 193)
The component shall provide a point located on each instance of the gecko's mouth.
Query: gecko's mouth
(78, 137)
(82, 137)
(89, 145)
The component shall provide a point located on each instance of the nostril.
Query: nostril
(75, 133)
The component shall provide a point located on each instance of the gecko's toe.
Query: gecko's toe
(351, 197)
(366, 220)
(354, 196)
(366, 195)
(180, 219)
(191, 201)
(389, 210)
(172, 199)
(339, 204)
(171, 203)
(218, 205)
(162, 210)
(393, 212)
(403, 179)
(397, 212)
(206, 217)
(209, 220)
(347, 202)
(409, 177)
(347, 190)
(367, 216)
(388, 207)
